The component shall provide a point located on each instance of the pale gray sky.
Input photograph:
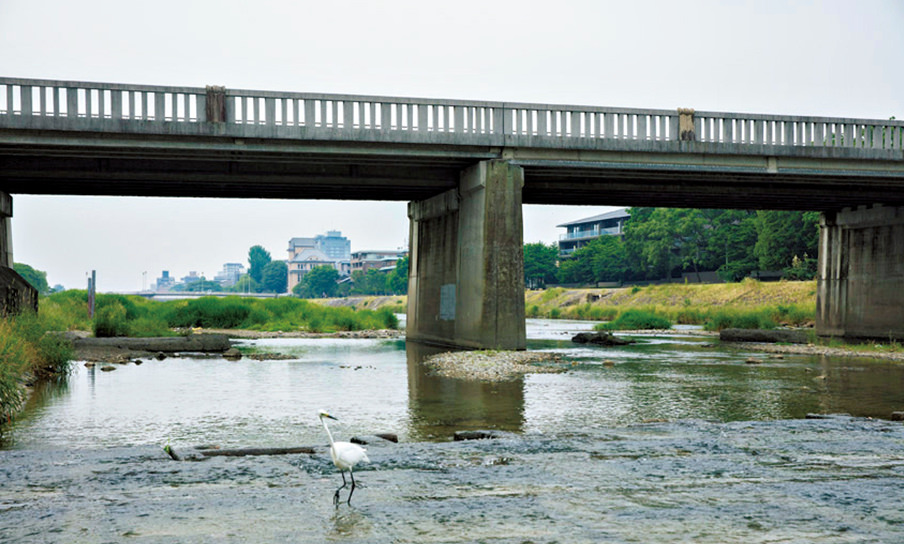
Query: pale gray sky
(833, 58)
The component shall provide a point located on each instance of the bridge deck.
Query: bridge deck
(63, 137)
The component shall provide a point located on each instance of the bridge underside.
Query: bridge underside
(669, 175)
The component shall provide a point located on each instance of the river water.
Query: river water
(668, 440)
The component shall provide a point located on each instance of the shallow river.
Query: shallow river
(668, 440)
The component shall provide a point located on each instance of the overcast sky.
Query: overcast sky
(832, 58)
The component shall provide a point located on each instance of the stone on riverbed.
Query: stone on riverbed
(493, 366)
(481, 435)
(600, 338)
(232, 354)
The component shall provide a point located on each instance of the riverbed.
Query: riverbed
(672, 439)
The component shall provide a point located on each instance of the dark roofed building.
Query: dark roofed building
(581, 232)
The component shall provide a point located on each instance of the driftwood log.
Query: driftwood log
(195, 454)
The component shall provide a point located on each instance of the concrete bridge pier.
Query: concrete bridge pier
(15, 293)
(860, 292)
(6, 233)
(466, 275)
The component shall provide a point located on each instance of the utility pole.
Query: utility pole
(92, 283)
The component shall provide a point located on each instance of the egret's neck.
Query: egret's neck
(327, 429)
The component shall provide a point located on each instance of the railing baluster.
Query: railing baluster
(160, 106)
(101, 104)
(25, 99)
(308, 108)
(42, 101)
(270, 111)
(71, 103)
(642, 127)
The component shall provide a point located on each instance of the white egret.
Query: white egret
(345, 456)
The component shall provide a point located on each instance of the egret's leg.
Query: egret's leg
(352, 474)
(344, 483)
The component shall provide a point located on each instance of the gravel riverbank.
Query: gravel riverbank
(492, 366)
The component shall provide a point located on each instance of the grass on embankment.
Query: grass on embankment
(118, 315)
(748, 304)
(27, 352)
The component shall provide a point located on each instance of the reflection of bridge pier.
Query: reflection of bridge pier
(440, 406)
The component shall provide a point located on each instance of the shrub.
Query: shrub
(635, 319)
(550, 294)
(110, 320)
(733, 318)
(149, 327)
(15, 356)
(226, 313)
(54, 355)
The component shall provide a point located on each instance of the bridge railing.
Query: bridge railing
(349, 112)
(776, 130)
(110, 101)
(110, 107)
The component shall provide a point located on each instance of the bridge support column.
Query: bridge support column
(860, 290)
(466, 269)
(6, 233)
(16, 294)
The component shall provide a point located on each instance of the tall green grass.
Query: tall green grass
(118, 315)
(27, 349)
(636, 319)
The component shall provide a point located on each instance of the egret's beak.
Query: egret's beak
(329, 416)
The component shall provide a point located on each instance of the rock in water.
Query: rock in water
(600, 338)
(232, 354)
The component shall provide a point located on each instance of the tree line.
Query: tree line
(664, 243)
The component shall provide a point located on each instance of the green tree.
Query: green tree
(733, 243)
(258, 258)
(540, 264)
(318, 282)
(783, 235)
(603, 259)
(652, 241)
(275, 277)
(608, 259)
(246, 284)
(398, 278)
(37, 278)
(372, 282)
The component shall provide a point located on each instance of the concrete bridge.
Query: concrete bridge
(466, 167)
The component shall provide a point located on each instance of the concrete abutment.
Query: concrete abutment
(16, 294)
(466, 273)
(860, 292)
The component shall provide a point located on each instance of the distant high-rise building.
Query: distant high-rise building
(334, 245)
(165, 282)
(230, 274)
(330, 249)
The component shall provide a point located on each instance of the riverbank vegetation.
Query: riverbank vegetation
(28, 352)
(745, 304)
(120, 315)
